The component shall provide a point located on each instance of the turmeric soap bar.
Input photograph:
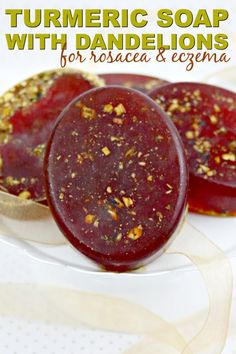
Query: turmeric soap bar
(28, 112)
(142, 83)
(205, 117)
(116, 177)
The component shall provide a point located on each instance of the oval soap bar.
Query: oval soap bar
(205, 117)
(116, 177)
(141, 83)
(28, 112)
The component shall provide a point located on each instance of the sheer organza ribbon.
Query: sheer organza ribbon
(30, 221)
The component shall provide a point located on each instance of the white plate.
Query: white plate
(219, 230)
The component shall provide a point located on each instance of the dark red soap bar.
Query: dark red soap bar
(205, 116)
(142, 83)
(27, 114)
(116, 177)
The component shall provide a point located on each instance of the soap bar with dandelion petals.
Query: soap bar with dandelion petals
(205, 117)
(116, 177)
(28, 112)
(141, 83)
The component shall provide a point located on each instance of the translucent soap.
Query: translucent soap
(28, 112)
(205, 117)
(142, 83)
(116, 177)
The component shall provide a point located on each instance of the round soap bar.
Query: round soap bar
(142, 83)
(27, 114)
(116, 177)
(205, 116)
